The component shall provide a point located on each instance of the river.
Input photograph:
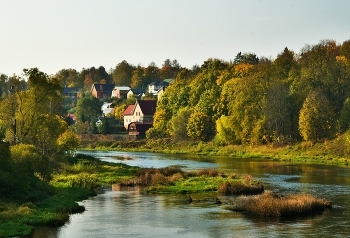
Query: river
(119, 212)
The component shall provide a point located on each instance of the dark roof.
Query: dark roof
(108, 87)
(141, 127)
(148, 107)
(160, 83)
(137, 90)
(70, 90)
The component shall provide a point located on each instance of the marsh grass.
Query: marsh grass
(271, 205)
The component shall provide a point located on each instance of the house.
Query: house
(142, 111)
(101, 91)
(160, 93)
(137, 92)
(107, 108)
(139, 128)
(70, 92)
(70, 119)
(156, 85)
(128, 115)
(120, 91)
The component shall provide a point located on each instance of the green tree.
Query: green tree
(28, 161)
(247, 108)
(105, 126)
(179, 124)
(122, 74)
(68, 142)
(87, 110)
(316, 117)
(225, 133)
(200, 126)
(344, 119)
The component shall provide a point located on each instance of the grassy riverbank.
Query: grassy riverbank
(329, 152)
(51, 203)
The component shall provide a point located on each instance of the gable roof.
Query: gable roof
(159, 83)
(108, 87)
(129, 110)
(148, 107)
(70, 90)
(137, 90)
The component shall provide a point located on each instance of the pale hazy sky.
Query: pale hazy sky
(53, 35)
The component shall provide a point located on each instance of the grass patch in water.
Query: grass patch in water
(174, 180)
(271, 205)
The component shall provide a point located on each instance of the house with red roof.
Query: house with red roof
(142, 113)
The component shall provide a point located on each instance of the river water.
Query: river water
(119, 212)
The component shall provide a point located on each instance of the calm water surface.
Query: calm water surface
(128, 213)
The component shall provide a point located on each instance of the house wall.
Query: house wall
(129, 94)
(94, 92)
(127, 120)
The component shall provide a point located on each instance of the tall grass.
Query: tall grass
(270, 205)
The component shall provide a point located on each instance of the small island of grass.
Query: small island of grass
(273, 205)
(175, 180)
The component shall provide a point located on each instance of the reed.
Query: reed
(240, 188)
(271, 205)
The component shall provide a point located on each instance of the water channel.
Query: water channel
(128, 213)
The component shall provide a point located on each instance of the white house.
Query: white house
(142, 111)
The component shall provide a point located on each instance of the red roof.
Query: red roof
(129, 110)
(148, 107)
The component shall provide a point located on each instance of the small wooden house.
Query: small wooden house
(139, 128)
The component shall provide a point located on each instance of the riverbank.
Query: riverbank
(329, 152)
(52, 203)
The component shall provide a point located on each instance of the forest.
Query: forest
(256, 101)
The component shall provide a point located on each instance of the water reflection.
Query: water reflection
(120, 212)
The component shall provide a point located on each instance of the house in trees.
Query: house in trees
(137, 92)
(128, 115)
(156, 85)
(169, 81)
(139, 128)
(70, 92)
(120, 91)
(107, 108)
(101, 91)
(143, 112)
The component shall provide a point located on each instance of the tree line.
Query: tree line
(124, 74)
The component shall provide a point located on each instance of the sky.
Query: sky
(54, 35)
